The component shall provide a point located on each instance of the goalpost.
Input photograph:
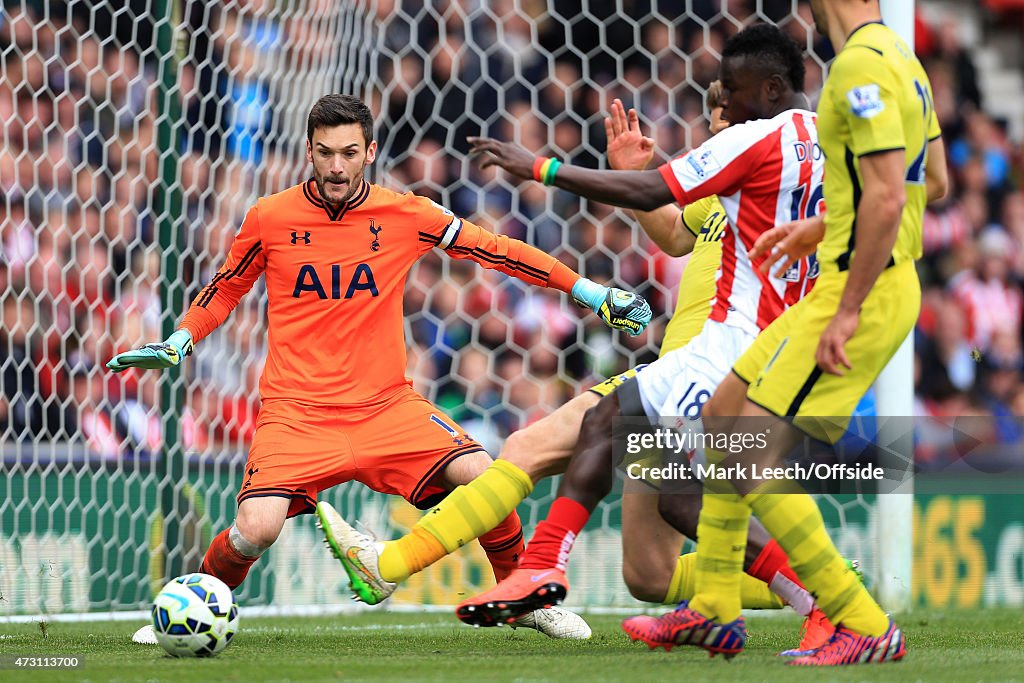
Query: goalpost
(895, 389)
(135, 136)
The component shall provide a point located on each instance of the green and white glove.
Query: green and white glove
(618, 308)
(166, 354)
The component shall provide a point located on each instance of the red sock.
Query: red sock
(772, 567)
(224, 562)
(554, 536)
(504, 544)
(772, 561)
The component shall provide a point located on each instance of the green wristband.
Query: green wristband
(549, 177)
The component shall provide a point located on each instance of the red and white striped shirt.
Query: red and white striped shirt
(766, 173)
(944, 228)
(991, 306)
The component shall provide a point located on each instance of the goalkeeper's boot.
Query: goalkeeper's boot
(358, 553)
(555, 622)
(817, 629)
(848, 647)
(521, 592)
(685, 626)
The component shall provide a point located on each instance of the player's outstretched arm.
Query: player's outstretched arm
(644, 190)
(157, 356)
(244, 264)
(618, 308)
(630, 150)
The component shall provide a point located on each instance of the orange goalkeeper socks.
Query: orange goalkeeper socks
(224, 562)
(503, 545)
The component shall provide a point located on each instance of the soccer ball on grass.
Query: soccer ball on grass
(195, 615)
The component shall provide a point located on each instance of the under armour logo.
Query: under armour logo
(375, 244)
(304, 237)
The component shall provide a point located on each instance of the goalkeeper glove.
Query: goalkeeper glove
(617, 308)
(166, 354)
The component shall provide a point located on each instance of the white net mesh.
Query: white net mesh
(135, 136)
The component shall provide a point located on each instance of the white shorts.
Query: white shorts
(681, 382)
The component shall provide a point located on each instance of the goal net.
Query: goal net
(135, 136)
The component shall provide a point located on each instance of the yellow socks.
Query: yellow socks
(754, 593)
(684, 579)
(404, 557)
(794, 521)
(466, 513)
(722, 531)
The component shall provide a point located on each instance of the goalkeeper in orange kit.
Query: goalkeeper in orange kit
(337, 407)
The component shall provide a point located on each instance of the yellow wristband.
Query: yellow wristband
(544, 170)
(549, 170)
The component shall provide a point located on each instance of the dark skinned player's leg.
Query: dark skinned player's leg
(588, 480)
(682, 510)
(591, 472)
(540, 580)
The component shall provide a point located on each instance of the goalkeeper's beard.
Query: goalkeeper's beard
(354, 184)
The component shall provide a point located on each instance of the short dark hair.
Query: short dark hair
(772, 50)
(338, 110)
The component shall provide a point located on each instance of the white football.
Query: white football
(195, 615)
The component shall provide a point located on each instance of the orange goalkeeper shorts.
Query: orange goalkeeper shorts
(397, 446)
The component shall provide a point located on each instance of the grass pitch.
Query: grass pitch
(942, 646)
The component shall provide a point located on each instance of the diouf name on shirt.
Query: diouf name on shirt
(805, 149)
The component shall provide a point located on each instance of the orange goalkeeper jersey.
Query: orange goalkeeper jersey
(335, 280)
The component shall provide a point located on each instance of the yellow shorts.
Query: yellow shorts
(612, 383)
(748, 366)
(785, 379)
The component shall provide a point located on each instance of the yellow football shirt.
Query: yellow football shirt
(706, 219)
(877, 98)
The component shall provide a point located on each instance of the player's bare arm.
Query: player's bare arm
(630, 150)
(644, 190)
(936, 178)
(878, 222)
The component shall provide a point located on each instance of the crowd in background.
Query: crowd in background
(80, 263)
